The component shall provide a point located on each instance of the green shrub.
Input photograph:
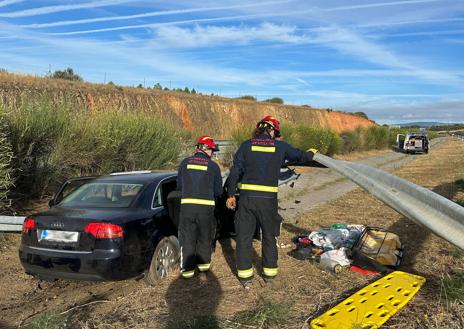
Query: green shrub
(351, 140)
(53, 143)
(376, 138)
(6, 157)
(275, 100)
(248, 97)
(304, 137)
(241, 134)
(67, 74)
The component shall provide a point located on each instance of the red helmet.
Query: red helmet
(270, 121)
(209, 142)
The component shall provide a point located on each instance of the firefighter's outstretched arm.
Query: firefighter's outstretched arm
(295, 155)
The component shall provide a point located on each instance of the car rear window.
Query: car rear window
(100, 194)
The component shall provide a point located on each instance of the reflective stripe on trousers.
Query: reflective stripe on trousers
(204, 267)
(260, 188)
(244, 274)
(188, 274)
(204, 202)
(270, 271)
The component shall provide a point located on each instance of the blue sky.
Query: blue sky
(398, 61)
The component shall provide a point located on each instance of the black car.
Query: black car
(112, 228)
(107, 228)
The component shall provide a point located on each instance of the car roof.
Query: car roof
(136, 177)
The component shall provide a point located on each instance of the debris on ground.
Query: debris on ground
(369, 250)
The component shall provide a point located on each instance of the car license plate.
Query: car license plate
(59, 236)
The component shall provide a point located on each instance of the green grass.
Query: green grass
(48, 321)
(457, 253)
(304, 137)
(54, 142)
(330, 143)
(453, 287)
(267, 313)
(6, 157)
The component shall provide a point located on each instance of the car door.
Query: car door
(162, 219)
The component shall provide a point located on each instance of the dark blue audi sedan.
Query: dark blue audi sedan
(107, 228)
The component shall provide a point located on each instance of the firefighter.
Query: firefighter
(200, 182)
(257, 166)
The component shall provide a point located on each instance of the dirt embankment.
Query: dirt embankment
(215, 115)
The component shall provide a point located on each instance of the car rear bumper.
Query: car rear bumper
(93, 265)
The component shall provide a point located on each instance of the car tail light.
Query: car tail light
(104, 230)
(28, 225)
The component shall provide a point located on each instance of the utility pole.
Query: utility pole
(104, 79)
(49, 70)
(143, 82)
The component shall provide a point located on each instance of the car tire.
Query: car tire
(165, 260)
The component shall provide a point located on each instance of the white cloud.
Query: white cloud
(199, 36)
(354, 44)
(60, 8)
(379, 4)
(154, 14)
(9, 2)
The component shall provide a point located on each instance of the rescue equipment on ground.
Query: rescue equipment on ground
(373, 305)
(369, 249)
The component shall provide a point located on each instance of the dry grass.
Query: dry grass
(307, 290)
(302, 290)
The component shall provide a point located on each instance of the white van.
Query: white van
(413, 142)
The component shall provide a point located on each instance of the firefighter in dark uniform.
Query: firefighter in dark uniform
(257, 166)
(199, 179)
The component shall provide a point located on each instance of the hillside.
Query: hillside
(213, 115)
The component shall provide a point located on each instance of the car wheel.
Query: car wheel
(164, 261)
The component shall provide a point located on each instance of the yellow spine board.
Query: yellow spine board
(373, 305)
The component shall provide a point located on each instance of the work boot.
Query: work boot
(268, 279)
(246, 283)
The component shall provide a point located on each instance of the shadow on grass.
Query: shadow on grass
(193, 302)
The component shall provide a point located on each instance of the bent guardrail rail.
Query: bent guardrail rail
(440, 215)
(11, 223)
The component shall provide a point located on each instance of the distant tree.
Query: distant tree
(140, 85)
(166, 88)
(305, 105)
(193, 91)
(276, 100)
(186, 90)
(248, 97)
(361, 114)
(67, 74)
(157, 86)
(111, 83)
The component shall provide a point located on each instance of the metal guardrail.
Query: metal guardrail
(11, 223)
(440, 215)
